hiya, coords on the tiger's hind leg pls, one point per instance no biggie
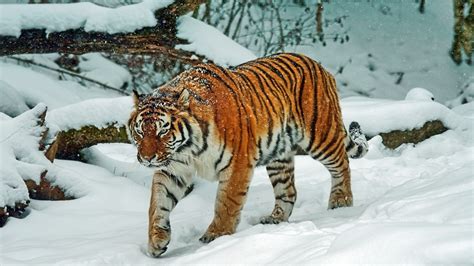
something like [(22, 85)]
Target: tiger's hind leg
[(335, 159), (341, 193), (281, 173)]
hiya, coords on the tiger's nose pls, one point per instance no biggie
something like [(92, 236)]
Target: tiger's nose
[(147, 158)]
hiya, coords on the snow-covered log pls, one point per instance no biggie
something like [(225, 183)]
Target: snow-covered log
[(71, 142), (24, 141), (95, 121), (395, 138), (88, 123), (148, 27)]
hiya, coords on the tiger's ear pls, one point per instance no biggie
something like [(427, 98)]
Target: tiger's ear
[(183, 100), (136, 97)]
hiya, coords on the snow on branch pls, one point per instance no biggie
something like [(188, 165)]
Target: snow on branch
[(89, 16), (145, 28), (209, 42)]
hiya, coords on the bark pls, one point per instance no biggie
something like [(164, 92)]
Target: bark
[(159, 39), (396, 138), (71, 142), (463, 31)]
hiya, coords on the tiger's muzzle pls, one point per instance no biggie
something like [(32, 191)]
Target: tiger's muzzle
[(153, 161)]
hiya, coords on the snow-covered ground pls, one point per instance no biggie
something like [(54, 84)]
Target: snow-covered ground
[(412, 205)]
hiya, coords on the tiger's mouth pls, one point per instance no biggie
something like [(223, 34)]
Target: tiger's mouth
[(155, 163)]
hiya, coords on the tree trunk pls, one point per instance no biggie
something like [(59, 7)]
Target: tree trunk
[(159, 39), (319, 18), (463, 31), (421, 8)]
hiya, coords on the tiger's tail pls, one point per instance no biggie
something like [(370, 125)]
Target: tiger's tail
[(356, 143)]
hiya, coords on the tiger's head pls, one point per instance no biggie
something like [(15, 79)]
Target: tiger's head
[(160, 127)]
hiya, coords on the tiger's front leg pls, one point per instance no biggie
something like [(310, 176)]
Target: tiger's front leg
[(231, 196), (167, 190)]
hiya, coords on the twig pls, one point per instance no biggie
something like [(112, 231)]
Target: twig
[(66, 72)]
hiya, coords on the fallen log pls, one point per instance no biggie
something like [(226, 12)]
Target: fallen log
[(159, 39), (396, 138), (71, 142)]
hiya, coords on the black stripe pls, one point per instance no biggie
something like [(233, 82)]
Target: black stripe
[(179, 181), (205, 130), (322, 149), (283, 180), (164, 209), (171, 196), (293, 67)]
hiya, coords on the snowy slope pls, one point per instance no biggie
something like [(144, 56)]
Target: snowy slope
[(412, 205)]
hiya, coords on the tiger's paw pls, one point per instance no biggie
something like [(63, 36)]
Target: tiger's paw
[(210, 236), (278, 216), (340, 200), (155, 252), (271, 220), (158, 243)]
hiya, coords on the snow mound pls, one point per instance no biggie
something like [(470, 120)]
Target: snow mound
[(95, 112), (19, 154), (120, 159), (128, 18), (210, 42), (378, 116), (419, 94), (22, 160), (12, 103)]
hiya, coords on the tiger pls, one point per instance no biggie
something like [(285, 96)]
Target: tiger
[(221, 123)]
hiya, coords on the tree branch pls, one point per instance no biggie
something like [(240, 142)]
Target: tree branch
[(66, 72), (150, 40)]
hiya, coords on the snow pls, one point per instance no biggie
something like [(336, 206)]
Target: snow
[(412, 205), (208, 41), (388, 38), (19, 156), (96, 67), (100, 112), (91, 17), (21, 159), (378, 115), (12, 102), (119, 159), (419, 94), (39, 86)]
